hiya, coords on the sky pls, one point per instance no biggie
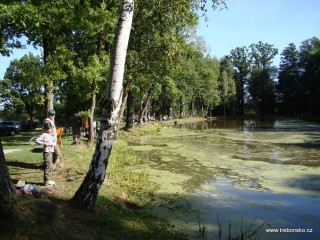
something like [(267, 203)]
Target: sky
[(276, 22)]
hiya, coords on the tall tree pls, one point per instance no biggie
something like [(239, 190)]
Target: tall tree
[(261, 83), (90, 40), (289, 86), (241, 61), (227, 86), (154, 43), (208, 96), (262, 91), (262, 54), (22, 88), (86, 195), (43, 23), (10, 30), (310, 84)]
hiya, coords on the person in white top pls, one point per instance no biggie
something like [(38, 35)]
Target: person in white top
[(48, 142), (53, 131)]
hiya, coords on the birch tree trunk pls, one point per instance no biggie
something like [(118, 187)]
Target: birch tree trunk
[(86, 195), (8, 197)]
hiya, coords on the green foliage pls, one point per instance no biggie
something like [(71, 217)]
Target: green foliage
[(241, 61), (310, 75), (227, 85), (209, 83), (288, 86), (298, 86), (255, 77), (262, 54), (261, 85), (262, 91), (76, 36), (22, 88), (9, 29), (166, 62)]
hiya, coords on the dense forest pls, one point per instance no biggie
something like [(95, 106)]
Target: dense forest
[(168, 71)]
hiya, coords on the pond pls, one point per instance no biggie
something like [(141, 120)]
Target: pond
[(231, 176)]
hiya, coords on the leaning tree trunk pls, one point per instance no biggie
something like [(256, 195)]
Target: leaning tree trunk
[(145, 107), (8, 197), (86, 195)]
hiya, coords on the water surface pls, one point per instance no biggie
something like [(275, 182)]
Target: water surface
[(240, 173)]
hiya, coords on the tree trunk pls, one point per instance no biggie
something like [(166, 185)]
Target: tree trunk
[(193, 106), (143, 114), (123, 105), (86, 195), (93, 96), (8, 197), (46, 59), (242, 96), (91, 127), (125, 97), (181, 110), (130, 111)]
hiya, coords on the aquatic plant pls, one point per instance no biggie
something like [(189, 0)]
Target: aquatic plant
[(248, 233), (202, 228)]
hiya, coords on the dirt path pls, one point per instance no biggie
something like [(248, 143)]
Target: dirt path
[(6, 151)]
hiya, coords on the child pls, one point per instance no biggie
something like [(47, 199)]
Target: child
[(51, 119), (48, 142)]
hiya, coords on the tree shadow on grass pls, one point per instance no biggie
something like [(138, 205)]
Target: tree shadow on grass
[(37, 150), (15, 181), (109, 221), (25, 174), (24, 165)]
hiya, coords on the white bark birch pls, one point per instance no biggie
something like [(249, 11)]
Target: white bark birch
[(86, 195)]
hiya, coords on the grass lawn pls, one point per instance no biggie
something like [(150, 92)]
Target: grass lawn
[(119, 212)]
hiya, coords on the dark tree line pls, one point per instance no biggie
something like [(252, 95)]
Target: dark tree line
[(298, 87), (263, 89)]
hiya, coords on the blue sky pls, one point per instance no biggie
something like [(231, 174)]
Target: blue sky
[(276, 22), (17, 54)]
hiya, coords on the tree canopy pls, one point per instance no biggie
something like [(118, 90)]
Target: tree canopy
[(167, 71)]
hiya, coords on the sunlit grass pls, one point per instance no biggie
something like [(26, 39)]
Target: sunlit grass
[(124, 192)]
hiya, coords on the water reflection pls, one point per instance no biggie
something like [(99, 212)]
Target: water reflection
[(261, 124), (241, 124)]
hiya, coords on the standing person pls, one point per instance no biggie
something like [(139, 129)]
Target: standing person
[(47, 140), (50, 119), (94, 125)]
